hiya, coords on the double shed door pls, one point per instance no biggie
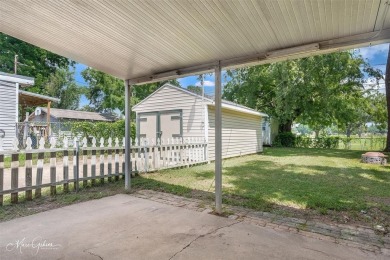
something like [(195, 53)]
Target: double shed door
[(162, 124)]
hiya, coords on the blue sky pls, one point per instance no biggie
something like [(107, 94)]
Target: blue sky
[(375, 55)]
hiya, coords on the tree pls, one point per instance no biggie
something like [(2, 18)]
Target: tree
[(195, 89), (316, 91), (62, 85), (33, 61), (106, 93)]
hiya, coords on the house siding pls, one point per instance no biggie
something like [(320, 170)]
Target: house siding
[(241, 133), (169, 98), (8, 112)]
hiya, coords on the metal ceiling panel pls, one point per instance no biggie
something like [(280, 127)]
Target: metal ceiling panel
[(132, 39)]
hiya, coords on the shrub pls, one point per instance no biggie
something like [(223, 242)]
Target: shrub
[(285, 139), (290, 140), (304, 142), (101, 129)]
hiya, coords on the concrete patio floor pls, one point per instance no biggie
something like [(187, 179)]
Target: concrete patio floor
[(126, 227)]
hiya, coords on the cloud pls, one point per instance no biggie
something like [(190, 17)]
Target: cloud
[(206, 83), (372, 51)]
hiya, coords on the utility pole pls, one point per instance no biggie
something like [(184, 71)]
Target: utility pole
[(16, 64)]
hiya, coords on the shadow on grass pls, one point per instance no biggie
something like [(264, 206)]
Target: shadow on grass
[(139, 183), (339, 153)]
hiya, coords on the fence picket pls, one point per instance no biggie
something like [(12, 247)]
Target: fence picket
[(101, 160), (85, 167), (109, 164), (93, 166), (101, 167)]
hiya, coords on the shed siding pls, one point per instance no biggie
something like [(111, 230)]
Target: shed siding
[(8, 112), (169, 98), (241, 133)]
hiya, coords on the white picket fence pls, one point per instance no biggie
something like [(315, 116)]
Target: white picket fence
[(65, 161)]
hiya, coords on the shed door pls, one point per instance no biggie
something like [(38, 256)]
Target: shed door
[(171, 124), (148, 125), (164, 124)]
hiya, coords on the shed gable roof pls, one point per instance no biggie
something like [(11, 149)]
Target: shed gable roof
[(225, 104)]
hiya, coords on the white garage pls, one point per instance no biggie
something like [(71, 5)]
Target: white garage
[(174, 112)]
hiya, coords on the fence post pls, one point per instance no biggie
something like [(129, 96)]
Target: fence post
[(53, 174), (28, 165), (1, 177), (14, 176), (41, 156)]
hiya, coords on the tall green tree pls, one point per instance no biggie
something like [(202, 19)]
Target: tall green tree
[(62, 85), (33, 61), (316, 91), (106, 93)]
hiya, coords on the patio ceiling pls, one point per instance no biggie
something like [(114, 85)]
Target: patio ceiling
[(147, 41)]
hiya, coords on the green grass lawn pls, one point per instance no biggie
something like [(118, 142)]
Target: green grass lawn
[(293, 178)]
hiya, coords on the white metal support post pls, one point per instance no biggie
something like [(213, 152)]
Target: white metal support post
[(218, 140), (128, 166)]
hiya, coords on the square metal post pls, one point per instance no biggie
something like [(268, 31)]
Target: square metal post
[(218, 140), (128, 166)]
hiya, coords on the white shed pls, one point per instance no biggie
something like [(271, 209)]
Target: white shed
[(176, 112)]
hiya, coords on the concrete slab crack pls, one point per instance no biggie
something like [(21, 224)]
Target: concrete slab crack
[(319, 251), (86, 251), (203, 235)]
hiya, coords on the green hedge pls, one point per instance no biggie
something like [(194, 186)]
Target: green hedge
[(101, 129), (291, 140)]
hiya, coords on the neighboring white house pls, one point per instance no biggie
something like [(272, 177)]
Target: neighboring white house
[(9, 100), (58, 119), (176, 112)]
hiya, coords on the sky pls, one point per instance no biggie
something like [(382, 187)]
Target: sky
[(375, 55)]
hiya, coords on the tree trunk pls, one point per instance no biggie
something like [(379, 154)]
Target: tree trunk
[(349, 131), (286, 127), (317, 133), (387, 86)]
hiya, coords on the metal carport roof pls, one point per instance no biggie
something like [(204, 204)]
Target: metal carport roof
[(145, 41), (152, 40)]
